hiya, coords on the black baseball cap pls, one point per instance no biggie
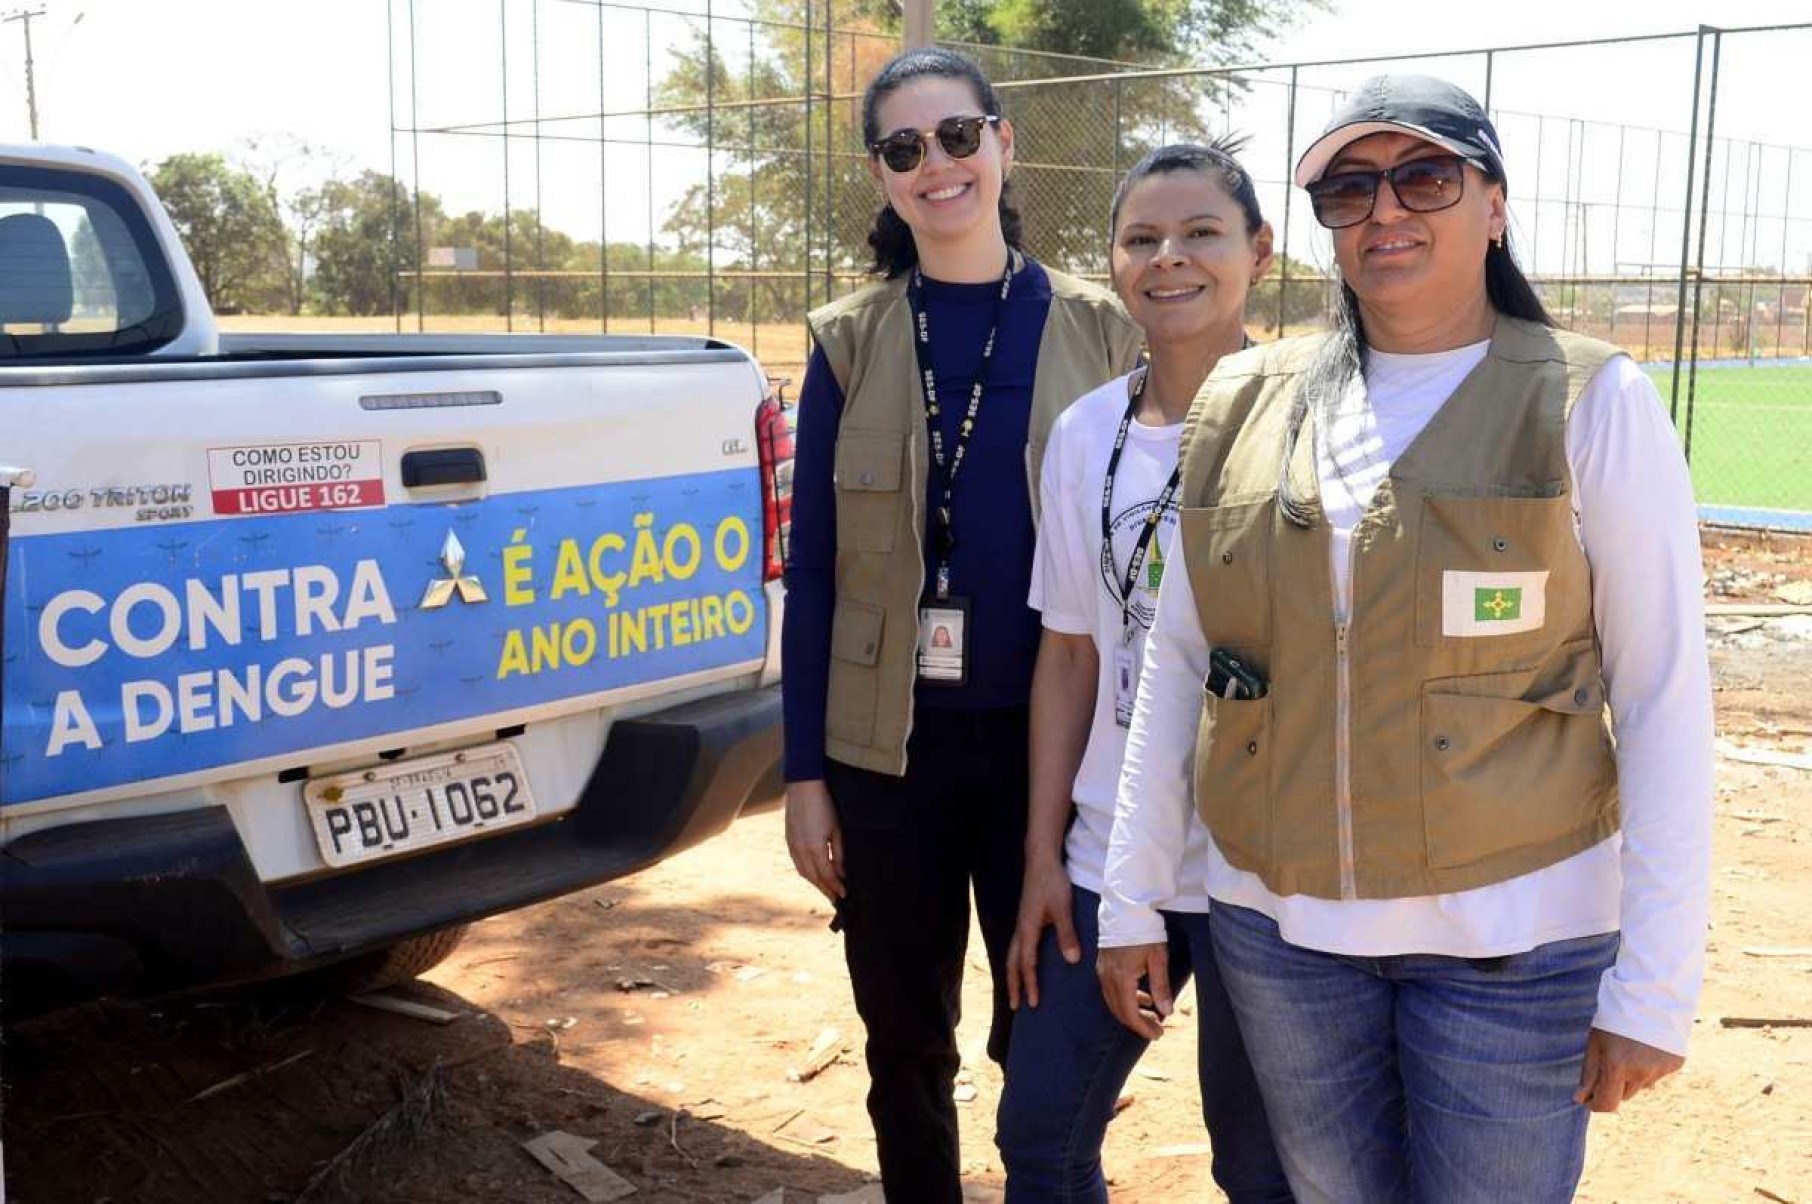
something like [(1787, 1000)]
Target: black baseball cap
[(1420, 105)]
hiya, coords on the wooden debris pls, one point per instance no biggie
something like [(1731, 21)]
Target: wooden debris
[(803, 1130), (1126, 1100), (1197, 1149), (1778, 951), (1765, 1021), (404, 1007), (1768, 610), (1763, 756), (1765, 1194), (248, 1076), (673, 1138), (570, 1158), (406, 1123), (1152, 1073), (826, 1048)]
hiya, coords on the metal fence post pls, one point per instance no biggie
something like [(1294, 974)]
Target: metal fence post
[(710, 175), (1283, 265), (509, 249), (807, 175), (535, 84), (415, 150), (603, 189), (1711, 125), (1692, 148), (396, 307)]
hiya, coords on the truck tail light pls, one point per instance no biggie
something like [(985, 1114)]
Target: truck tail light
[(774, 446)]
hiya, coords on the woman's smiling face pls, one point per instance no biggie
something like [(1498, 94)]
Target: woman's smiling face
[(1183, 259), (1416, 264), (942, 199)]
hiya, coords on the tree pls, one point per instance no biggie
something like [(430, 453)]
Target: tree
[(1072, 137), (278, 161), (365, 238), (230, 228)]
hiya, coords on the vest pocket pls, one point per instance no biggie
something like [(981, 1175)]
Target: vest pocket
[(1487, 571), (854, 689), (869, 470), (1233, 776), (1228, 553), (1501, 773)]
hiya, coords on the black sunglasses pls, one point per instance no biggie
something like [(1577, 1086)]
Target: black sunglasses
[(904, 150), (1422, 186)]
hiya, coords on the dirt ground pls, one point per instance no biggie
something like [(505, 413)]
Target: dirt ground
[(659, 1017)]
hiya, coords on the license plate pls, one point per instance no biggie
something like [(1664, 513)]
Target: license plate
[(400, 808)]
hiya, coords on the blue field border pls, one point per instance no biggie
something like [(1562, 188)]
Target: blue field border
[(1760, 363), (1757, 517)]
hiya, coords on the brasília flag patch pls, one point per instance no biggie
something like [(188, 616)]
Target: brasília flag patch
[(1488, 604)]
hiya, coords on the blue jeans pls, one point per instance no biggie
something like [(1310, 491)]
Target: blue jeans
[(1069, 1058), (1443, 1080)]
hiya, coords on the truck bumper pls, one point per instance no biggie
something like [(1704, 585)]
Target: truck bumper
[(166, 902)]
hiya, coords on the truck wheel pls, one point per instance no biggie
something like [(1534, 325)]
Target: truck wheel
[(408, 958), (374, 970)]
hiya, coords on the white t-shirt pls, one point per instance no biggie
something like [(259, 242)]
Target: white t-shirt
[(1639, 529), (1076, 582)]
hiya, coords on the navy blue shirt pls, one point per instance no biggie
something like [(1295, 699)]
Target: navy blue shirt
[(992, 563)]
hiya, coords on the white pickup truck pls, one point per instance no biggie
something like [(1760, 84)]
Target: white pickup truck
[(316, 648)]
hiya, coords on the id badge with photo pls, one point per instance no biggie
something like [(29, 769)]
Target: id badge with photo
[(1126, 679), (1126, 684), (943, 653)]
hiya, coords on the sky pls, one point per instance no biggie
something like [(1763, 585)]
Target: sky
[(145, 80)]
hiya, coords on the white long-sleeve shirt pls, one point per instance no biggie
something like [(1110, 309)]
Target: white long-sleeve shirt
[(1638, 526)]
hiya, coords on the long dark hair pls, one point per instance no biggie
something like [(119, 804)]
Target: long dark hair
[(1341, 359), (1214, 159), (890, 237)]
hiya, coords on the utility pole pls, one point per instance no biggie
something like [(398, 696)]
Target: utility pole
[(24, 17), (917, 26)]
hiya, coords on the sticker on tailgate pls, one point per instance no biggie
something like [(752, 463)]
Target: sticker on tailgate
[(137, 654), (276, 478)]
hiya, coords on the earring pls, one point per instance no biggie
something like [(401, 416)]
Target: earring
[(1498, 242)]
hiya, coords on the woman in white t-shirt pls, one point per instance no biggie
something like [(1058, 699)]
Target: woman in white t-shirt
[(1188, 242), (1452, 915)]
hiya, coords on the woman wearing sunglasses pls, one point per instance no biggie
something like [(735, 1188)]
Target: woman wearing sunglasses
[(922, 420), (1187, 240), (1421, 562)]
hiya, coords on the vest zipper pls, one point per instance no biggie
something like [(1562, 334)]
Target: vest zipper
[(1343, 759)]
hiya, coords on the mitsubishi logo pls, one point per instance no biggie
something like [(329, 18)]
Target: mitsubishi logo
[(441, 589)]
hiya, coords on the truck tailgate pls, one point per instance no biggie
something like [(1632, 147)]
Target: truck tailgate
[(233, 575)]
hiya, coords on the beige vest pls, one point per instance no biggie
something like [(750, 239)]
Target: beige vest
[(882, 460), (1474, 746)]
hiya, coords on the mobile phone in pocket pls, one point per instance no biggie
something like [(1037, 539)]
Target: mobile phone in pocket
[(1232, 678)]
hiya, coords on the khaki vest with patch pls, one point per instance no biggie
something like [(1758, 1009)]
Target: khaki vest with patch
[(882, 462), (1475, 739)]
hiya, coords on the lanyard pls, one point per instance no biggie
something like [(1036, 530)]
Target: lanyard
[(1167, 498), (947, 468)]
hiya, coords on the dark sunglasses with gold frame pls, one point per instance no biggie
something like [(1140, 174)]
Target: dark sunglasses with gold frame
[(903, 150)]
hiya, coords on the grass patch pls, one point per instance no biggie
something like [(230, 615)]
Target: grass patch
[(1751, 433)]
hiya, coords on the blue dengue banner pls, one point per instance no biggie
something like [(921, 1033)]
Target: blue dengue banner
[(137, 653)]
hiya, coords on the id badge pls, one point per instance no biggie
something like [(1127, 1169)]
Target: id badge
[(1126, 682), (944, 641)]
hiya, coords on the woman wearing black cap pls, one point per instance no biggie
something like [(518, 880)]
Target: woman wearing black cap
[(1427, 557)]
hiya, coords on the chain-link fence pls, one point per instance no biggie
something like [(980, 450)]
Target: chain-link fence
[(688, 170)]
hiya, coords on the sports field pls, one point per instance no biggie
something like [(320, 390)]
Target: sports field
[(1751, 439)]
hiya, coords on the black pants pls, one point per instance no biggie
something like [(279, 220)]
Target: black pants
[(913, 846)]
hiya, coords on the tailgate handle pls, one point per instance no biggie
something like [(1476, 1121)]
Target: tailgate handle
[(442, 466)]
